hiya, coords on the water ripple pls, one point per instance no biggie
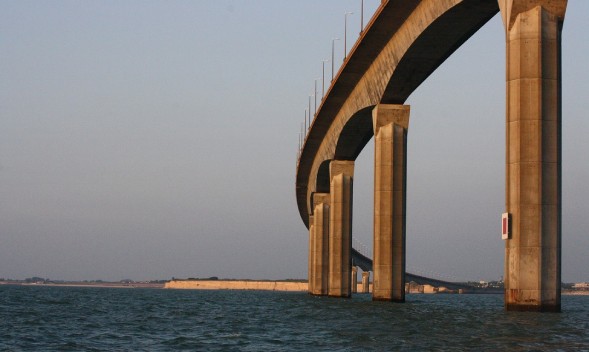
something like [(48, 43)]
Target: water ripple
[(93, 319)]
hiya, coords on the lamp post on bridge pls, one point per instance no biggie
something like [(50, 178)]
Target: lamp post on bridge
[(346, 33), (315, 94), (310, 111), (332, 50), (361, 16), (301, 136), (323, 79)]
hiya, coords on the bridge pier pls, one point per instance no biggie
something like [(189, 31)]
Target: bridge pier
[(320, 245), (311, 272), (390, 178), (533, 165), (366, 282), (341, 175), (354, 279)]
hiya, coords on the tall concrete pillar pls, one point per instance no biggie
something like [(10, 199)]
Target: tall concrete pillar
[(354, 279), (366, 281), (390, 178), (320, 246), (311, 272), (533, 165), (340, 228)]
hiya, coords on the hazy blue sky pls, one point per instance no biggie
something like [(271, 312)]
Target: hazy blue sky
[(152, 139)]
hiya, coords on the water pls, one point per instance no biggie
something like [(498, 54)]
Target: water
[(107, 319)]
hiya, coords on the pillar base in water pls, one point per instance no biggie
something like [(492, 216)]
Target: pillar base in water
[(532, 308), (395, 300)]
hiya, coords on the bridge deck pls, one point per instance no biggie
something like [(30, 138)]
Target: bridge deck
[(429, 50), (365, 264)]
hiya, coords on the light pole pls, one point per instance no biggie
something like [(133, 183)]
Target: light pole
[(309, 110), (361, 16), (301, 138), (332, 49), (315, 94), (346, 33), (323, 79)]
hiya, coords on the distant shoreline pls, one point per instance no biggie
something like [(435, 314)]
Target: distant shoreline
[(83, 284), (260, 285), (574, 293), (278, 286), (237, 285)]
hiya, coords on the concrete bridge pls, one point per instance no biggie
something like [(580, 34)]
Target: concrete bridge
[(361, 261), (404, 42)]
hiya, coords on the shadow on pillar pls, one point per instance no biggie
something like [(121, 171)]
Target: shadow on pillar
[(320, 245)]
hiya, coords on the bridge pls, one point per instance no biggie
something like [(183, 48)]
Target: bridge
[(365, 263), (404, 42)]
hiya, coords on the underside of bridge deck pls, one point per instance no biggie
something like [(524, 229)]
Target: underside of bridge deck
[(402, 45)]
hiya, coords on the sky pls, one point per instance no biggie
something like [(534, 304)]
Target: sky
[(158, 139)]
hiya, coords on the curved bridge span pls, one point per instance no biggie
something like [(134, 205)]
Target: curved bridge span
[(365, 263), (402, 45), (404, 42)]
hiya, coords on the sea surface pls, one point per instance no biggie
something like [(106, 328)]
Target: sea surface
[(110, 319)]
